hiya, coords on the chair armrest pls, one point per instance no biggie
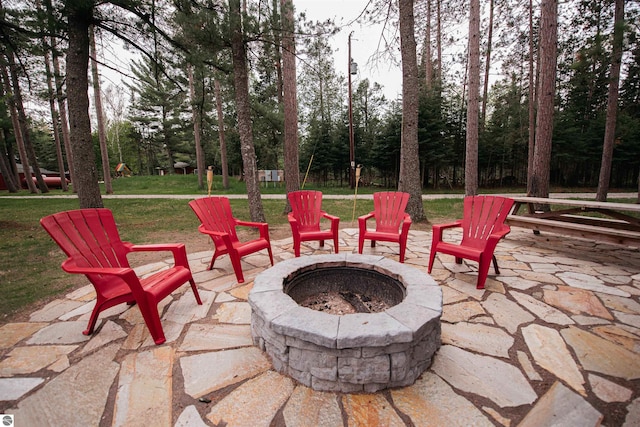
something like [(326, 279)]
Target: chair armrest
[(71, 267), (224, 236), (178, 250), (406, 224), (335, 221), (362, 221), (263, 227), (437, 229)]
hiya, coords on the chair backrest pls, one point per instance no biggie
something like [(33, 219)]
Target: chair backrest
[(88, 236), (482, 216), (215, 215), (306, 207), (389, 210)]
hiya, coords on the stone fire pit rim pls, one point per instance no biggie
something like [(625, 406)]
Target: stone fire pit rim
[(401, 323)]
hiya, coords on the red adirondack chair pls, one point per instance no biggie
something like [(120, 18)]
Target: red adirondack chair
[(392, 222), (482, 227), (304, 219), (217, 221), (92, 243)]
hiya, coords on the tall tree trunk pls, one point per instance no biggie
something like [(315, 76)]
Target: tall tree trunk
[(532, 97), (17, 131), (52, 107), (471, 152), (5, 167), (487, 67), (24, 124), (197, 134), (241, 83), (426, 57), (612, 104), (80, 16), (291, 159), (224, 165), (62, 108), (55, 121), (97, 97), (409, 155), (439, 47), (538, 186)]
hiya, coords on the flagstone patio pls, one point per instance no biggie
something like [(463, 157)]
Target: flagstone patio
[(553, 340)]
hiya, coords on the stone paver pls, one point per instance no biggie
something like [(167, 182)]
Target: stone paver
[(553, 340), (264, 395)]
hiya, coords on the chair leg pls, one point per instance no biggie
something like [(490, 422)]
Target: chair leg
[(195, 291), (322, 243), (237, 267), (270, 254), (495, 264), (373, 243), (92, 320), (335, 244), (483, 271), (152, 320), (403, 249), (432, 257), (360, 243)]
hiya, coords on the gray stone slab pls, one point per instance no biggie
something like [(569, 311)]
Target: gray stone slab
[(233, 312), (600, 355), (506, 313), (186, 309), (307, 407), (60, 333), (190, 417), (633, 414), (15, 388), (551, 353), (145, 389), (206, 372), (589, 282), (432, 402), (477, 337), (58, 402), (308, 325), (544, 311), (371, 329), (265, 395), (561, 407), (29, 359), (54, 309), (486, 376), (216, 337)]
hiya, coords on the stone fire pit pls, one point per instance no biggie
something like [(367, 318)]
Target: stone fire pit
[(360, 352)]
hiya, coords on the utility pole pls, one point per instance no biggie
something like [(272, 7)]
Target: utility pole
[(352, 154)]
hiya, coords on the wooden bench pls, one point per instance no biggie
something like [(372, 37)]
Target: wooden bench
[(570, 217)]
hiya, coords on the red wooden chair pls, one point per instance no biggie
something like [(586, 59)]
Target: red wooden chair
[(392, 222), (217, 221), (304, 219), (482, 227), (92, 243)]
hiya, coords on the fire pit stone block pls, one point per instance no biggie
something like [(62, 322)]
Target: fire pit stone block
[(362, 352)]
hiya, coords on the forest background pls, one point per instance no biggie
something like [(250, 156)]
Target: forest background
[(182, 89)]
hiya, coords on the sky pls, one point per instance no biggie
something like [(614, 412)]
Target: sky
[(364, 42)]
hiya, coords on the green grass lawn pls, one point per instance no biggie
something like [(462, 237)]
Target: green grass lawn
[(30, 261)]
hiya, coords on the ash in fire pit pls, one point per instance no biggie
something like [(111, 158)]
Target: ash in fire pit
[(344, 303), (359, 352), (344, 290)]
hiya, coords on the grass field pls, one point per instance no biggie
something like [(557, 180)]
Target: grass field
[(30, 272)]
